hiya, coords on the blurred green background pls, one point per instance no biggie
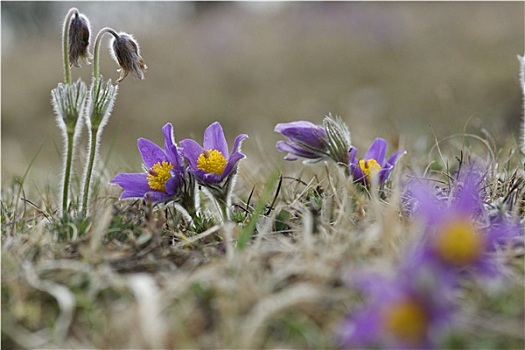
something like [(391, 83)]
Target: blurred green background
[(399, 70)]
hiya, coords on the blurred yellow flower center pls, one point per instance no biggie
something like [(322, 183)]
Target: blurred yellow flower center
[(406, 320), (459, 242), (158, 175), (211, 161), (369, 168)]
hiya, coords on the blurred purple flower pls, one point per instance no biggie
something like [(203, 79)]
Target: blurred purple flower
[(305, 140), (405, 311), (373, 164), (459, 236), (164, 171), (211, 163)]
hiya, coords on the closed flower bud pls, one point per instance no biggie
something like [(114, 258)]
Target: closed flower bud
[(68, 101), (103, 97), (79, 33), (338, 136), (126, 52)]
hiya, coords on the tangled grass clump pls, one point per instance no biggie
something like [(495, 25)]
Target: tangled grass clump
[(291, 285)]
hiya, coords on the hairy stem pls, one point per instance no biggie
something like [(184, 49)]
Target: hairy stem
[(67, 170), (94, 130), (522, 82), (68, 134), (96, 53), (93, 149)]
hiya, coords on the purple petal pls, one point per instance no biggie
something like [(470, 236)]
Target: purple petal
[(385, 173), (280, 127), (131, 194), (357, 174), (468, 197), (377, 151), (352, 159), (157, 196), (205, 178), (133, 184), (211, 178), (237, 142), (504, 232), (284, 146), (360, 329), (295, 150), (171, 148), (394, 157), (295, 127), (235, 156), (191, 151), (172, 185), (214, 139), (303, 132), (151, 153), (427, 205), (232, 162), (355, 169), (167, 130), (199, 174)]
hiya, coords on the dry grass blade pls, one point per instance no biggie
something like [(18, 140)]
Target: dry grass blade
[(270, 306), (63, 295)]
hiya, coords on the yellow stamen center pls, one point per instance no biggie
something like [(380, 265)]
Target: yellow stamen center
[(369, 168), (459, 242), (158, 175), (406, 320), (211, 161)]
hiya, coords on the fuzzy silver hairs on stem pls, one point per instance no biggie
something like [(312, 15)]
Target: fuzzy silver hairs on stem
[(522, 82), (125, 51), (69, 99)]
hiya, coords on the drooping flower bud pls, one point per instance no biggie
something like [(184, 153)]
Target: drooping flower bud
[(126, 52), (79, 33)]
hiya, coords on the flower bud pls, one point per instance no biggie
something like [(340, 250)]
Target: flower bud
[(338, 135), (68, 101), (126, 52), (79, 32), (103, 95)]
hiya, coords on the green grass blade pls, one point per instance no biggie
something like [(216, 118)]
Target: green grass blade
[(249, 229)]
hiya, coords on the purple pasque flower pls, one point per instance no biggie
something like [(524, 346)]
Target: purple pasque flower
[(164, 171), (411, 309), (374, 163), (305, 140), (211, 163), (315, 142), (458, 234)]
